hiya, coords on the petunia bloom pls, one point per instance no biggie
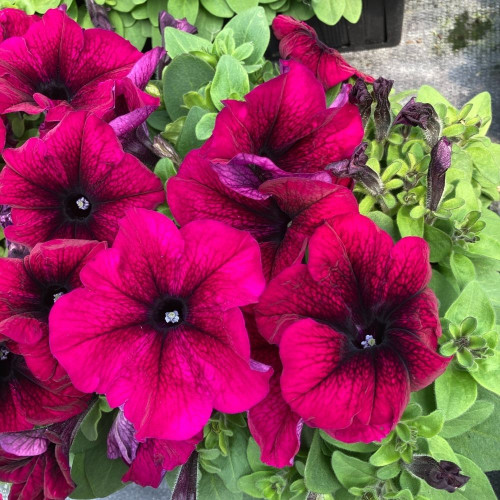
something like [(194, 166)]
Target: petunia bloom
[(76, 182), (57, 65), (253, 194), (158, 326), (299, 41), (37, 462), (30, 287), (272, 423), (357, 329), (296, 134), (15, 22), (150, 460)]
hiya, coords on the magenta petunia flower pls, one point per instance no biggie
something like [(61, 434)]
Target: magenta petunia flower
[(37, 462), (29, 288), (280, 213), (299, 42), (150, 460), (297, 134), (272, 423), (15, 22), (57, 65), (76, 182), (158, 326), (357, 329)]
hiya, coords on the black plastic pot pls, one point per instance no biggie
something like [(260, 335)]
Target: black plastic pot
[(380, 25)]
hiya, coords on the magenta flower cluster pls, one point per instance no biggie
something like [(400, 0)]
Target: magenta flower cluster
[(224, 313)]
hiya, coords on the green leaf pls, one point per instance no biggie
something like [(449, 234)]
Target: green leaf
[(488, 373), (184, 74), (384, 222), (248, 484), (230, 81), (251, 26), (92, 471), (487, 246), (475, 415), (481, 106), (351, 471), (211, 487), (410, 482), (328, 11), (477, 488), (182, 8), (456, 392), (472, 302), (218, 8), (179, 42), (235, 464), (318, 472), (165, 169), (205, 126), (352, 10), (428, 94), (187, 138), (441, 450), (445, 291), (482, 442), (385, 455), (430, 425), (354, 447), (389, 471), (462, 268), (408, 226), (439, 243), (240, 5), (91, 420), (253, 456), (208, 25)]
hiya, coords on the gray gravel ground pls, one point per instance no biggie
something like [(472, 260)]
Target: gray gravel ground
[(426, 55)]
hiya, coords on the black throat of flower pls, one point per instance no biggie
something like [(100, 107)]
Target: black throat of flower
[(77, 206), (7, 362), (55, 90), (167, 313), (49, 295)]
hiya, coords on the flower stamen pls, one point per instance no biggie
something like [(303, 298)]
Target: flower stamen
[(82, 203), (172, 317), (368, 342)]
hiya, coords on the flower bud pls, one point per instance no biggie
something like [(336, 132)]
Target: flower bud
[(382, 114), (164, 149), (423, 115), (357, 169), (360, 97), (440, 162), (98, 15), (442, 476)]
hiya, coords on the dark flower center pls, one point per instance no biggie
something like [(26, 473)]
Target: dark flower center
[(55, 90), (369, 336), (167, 313), (6, 363), (49, 296), (77, 207)]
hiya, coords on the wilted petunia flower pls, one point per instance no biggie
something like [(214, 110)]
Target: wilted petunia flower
[(76, 182), (253, 194), (420, 114), (436, 175), (36, 462), (14, 250), (382, 114), (360, 96), (98, 15), (158, 326), (286, 120), (58, 66), (29, 288), (300, 42), (442, 475), (357, 329), (15, 22), (272, 423), (150, 460)]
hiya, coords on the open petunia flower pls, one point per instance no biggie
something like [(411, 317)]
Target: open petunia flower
[(56, 65), (158, 326), (299, 42), (272, 423), (280, 212), (37, 462), (15, 22), (29, 288), (357, 329), (296, 134), (76, 182), (150, 460)]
